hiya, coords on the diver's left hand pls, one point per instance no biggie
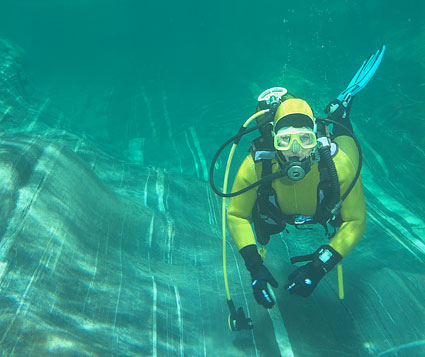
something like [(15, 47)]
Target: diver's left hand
[(336, 110), (305, 279)]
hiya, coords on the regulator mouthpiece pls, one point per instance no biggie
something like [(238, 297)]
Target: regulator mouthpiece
[(296, 169), (296, 172)]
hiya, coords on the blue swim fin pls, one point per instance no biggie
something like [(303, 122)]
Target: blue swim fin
[(339, 108), (363, 76)]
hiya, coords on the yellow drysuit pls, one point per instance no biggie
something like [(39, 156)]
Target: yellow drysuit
[(299, 197)]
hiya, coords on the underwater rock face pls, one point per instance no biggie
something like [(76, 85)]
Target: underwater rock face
[(100, 256), (84, 270), (62, 250)]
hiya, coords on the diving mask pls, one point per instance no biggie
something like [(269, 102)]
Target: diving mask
[(290, 137)]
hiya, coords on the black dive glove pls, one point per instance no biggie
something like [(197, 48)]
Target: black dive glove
[(260, 276), (305, 279), (337, 110)]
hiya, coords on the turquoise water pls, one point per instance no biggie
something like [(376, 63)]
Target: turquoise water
[(142, 92), (189, 58)]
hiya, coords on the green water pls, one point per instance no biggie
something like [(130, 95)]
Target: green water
[(207, 62), (164, 84)]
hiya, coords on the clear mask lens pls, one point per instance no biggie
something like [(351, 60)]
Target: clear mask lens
[(294, 138)]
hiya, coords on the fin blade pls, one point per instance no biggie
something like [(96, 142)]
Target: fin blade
[(364, 74)]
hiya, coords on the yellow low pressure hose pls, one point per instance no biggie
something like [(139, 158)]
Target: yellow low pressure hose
[(340, 282), (223, 208)]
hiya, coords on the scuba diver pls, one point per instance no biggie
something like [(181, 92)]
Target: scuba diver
[(301, 170), (299, 197)]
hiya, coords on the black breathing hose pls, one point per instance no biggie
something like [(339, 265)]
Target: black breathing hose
[(359, 148), (327, 156), (236, 139)]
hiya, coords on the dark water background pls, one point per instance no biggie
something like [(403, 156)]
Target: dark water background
[(192, 48), (205, 63), (165, 83)]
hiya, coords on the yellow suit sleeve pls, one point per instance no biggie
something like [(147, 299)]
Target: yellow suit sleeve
[(240, 207), (353, 209)]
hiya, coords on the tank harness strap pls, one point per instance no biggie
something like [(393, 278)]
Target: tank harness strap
[(324, 192), (266, 169), (267, 217), (266, 196)]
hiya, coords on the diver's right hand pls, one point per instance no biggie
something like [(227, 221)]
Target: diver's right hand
[(260, 277), (336, 110)]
